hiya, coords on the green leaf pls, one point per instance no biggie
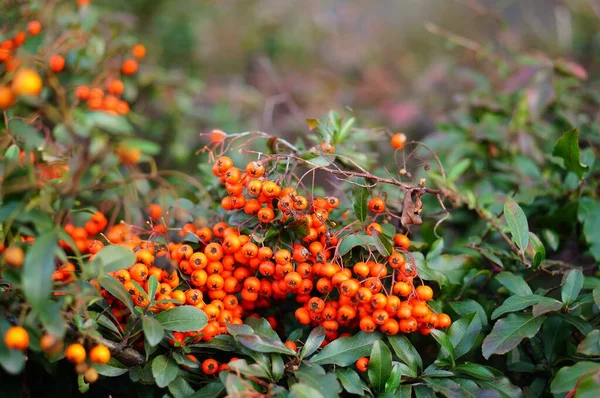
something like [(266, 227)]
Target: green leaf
[(313, 342), (38, 269), (502, 385), (538, 249), (567, 148), (588, 386), (448, 388), (393, 382), (465, 307), (360, 197), (113, 368), (110, 123), (463, 333), (153, 330), (263, 344), (517, 303), (114, 287), (475, 370), (152, 287), (508, 333), (590, 346), (446, 347), (458, 169), (179, 388), (551, 238), (567, 377), (581, 324), (277, 367), (346, 350), (164, 370), (350, 381), (211, 390), (301, 390), (27, 135), (254, 370), (554, 333), (380, 366), (517, 223), (573, 282), (262, 327), (406, 352), (515, 284), (184, 318), (114, 258), (315, 376)]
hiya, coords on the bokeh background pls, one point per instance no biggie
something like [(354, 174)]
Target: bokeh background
[(241, 65)]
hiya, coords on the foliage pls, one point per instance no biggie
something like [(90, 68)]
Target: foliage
[(501, 207)]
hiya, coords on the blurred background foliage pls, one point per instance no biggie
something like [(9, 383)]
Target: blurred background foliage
[(270, 64)]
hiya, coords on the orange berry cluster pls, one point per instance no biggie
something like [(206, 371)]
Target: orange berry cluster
[(332, 295), (98, 99)]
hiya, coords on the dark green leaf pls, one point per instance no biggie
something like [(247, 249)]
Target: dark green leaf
[(179, 388), (517, 303), (315, 376), (153, 330), (380, 365), (350, 381), (571, 287), (114, 287), (554, 333), (591, 344), (517, 223), (463, 334), (502, 385), (538, 249), (346, 350), (393, 382), (313, 342), (465, 307), (302, 390), (582, 325), (182, 319), (477, 371), (515, 284), (567, 148), (406, 352), (112, 369), (446, 347), (164, 370), (567, 377), (211, 390), (448, 388), (114, 258), (29, 137), (360, 197), (508, 333), (38, 269), (263, 344)]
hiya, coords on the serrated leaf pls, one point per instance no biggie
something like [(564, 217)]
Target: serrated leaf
[(567, 148), (517, 223), (508, 333)]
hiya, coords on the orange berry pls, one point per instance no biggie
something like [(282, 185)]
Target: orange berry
[(291, 345), (129, 67), (14, 256), (362, 364), (100, 354), (402, 241), (424, 293), (16, 338), (398, 140), (34, 28), (138, 51), (27, 82), (75, 353), (116, 87), (57, 63), (50, 344), (7, 97), (443, 321), (377, 205), (210, 366)]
